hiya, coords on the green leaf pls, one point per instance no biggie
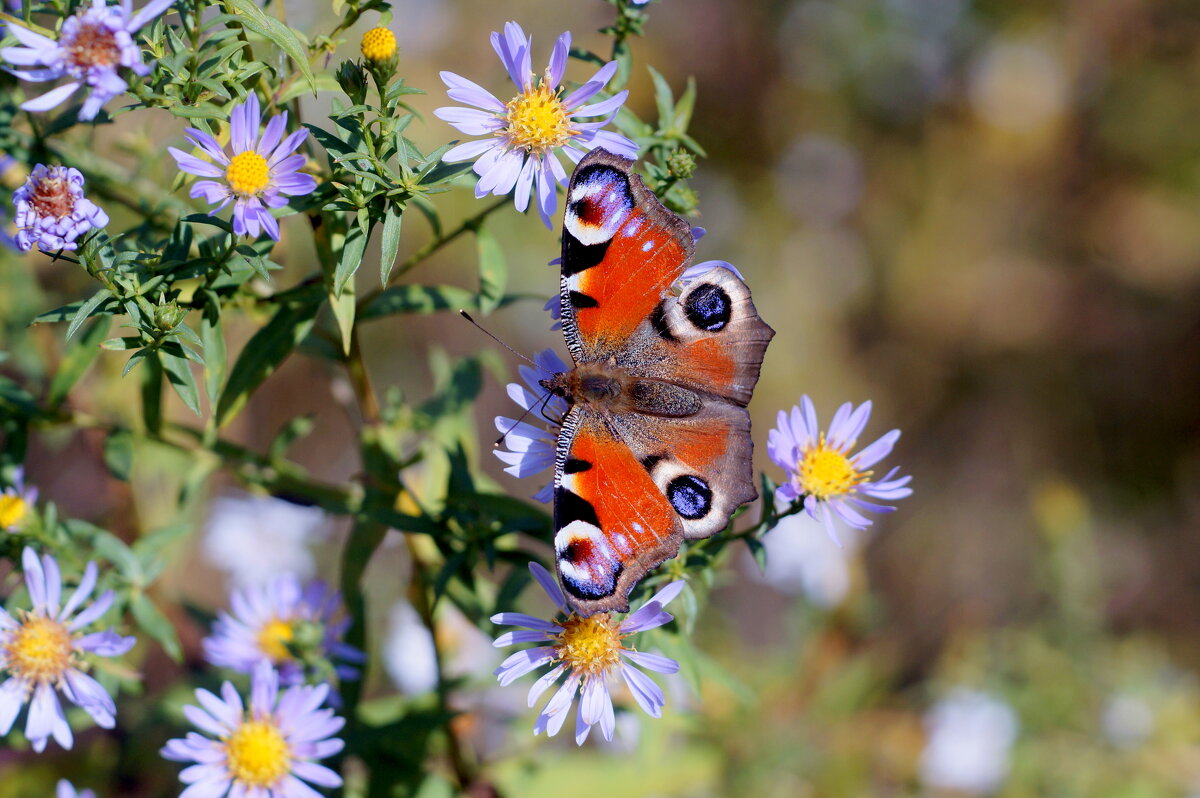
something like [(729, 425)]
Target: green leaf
[(118, 453), (86, 309), (264, 352), (76, 361), (152, 621), (151, 391), (351, 257), (493, 270), (324, 82), (135, 359), (213, 342), (664, 99), (180, 375), (685, 106), (390, 241), (253, 18), (344, 308)]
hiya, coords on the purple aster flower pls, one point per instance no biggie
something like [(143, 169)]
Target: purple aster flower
[(16, 502), (273, 620), (66, 789), (821, 469), (531, 445), (91, 47), (523, 135), (52, 212), (590, 652), (42, 650), (268, 750), (257, 176)]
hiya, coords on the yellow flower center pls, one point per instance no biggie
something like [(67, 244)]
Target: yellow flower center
[(826, 472), (247, 173), (274, 637), (537, 120), (378, 44), (13, 510), (589, 645), (39, 650), (257, 755)]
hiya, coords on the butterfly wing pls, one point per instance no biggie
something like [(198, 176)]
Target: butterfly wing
[(631, 488), (621, 251), (674, 462)]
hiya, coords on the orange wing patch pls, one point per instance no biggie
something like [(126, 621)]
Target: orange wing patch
[(622, 250), (613, 522)]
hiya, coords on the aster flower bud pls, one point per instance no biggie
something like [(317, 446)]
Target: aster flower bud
[(51, 211), (681, 164), (168, 315), (353, 80)]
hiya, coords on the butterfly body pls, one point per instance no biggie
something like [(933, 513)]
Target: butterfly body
[(655, 447)]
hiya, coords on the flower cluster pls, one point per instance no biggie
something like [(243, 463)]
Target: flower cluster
[(589, 652), (44, 649), (523, 134), (52, 212), (270, 748), (91, 47), (261, 172), (16, 502), (275, 622), (821, 470)]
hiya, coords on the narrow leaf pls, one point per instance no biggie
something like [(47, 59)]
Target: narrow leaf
[(493, 270), (253, 18), (180, 375), (86, 309), (390, 241), (76, 361)]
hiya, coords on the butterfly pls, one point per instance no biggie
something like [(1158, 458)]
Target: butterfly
[(655, 447)]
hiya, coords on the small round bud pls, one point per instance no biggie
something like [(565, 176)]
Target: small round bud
[(167, 316), (681, 164), (378, 44)]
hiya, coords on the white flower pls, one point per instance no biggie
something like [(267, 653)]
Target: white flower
[(257, 538), (590, 653), (970, 735), (408, 654), (531, 443)]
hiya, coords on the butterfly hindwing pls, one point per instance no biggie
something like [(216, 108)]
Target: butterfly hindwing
[(709, 338)]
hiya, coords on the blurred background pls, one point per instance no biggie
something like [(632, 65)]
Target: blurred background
[(982, 216)]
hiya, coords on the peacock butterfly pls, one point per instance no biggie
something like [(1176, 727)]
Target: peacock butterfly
[(655, 448)]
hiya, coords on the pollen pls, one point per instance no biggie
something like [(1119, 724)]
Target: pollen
[(13, 510), (274, 637), (590, 646), (51, 196), (39, 650), (257, 755), (247, 173), (537, 120), (93, 45), (825, 472), (378, 44)]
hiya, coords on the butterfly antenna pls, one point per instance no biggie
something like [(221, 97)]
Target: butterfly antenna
[(541, 411), (488, 333)]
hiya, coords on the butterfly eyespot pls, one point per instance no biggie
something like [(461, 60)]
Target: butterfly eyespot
[(690, 496), (708, 307)]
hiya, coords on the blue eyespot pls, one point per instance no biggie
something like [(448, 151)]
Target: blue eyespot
[(690, 496), (708, 307)]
